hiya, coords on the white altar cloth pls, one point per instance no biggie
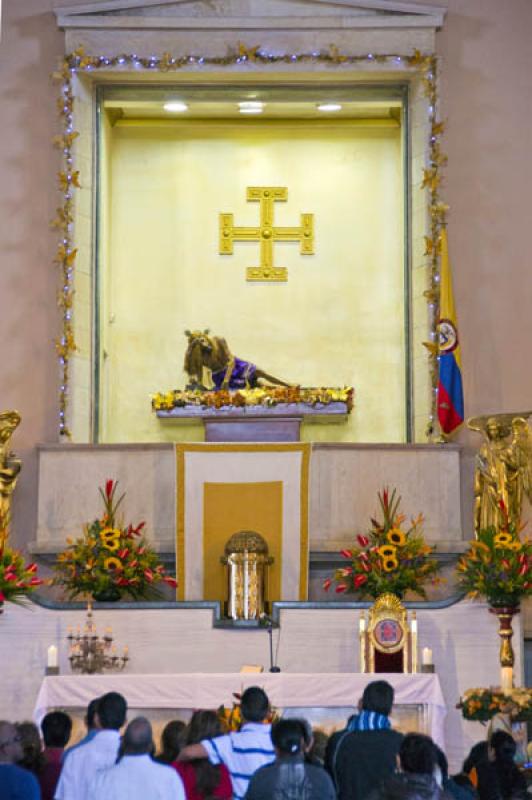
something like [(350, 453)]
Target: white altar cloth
[(210, 690)]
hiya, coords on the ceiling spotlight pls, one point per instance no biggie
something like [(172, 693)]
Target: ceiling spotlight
[(175, 106), (329, 107), (251, 107)]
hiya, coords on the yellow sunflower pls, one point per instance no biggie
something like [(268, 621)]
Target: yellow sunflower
[(387, 551), (503, 539), (515, 545), (396, 536), (389, 564), (112, 563), (110, 533), (111, 544)]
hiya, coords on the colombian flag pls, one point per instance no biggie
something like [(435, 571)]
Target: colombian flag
[(450, 392)]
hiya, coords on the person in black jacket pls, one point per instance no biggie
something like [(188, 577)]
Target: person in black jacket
[(416, 780), (499, 777), (364, 754)]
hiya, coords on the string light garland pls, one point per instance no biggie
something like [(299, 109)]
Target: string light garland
[(68, 177)]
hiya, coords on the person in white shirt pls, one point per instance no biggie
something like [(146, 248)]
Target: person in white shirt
[(242, 752), (101, 751), (136, 776)]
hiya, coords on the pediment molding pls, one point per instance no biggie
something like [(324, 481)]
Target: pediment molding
[(272, 15)]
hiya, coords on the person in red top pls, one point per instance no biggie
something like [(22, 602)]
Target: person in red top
[(203, 780), (56, 729)]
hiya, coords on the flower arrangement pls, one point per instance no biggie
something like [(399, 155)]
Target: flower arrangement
[(231, 718), (17, 578), (260, 396), (110, 561), (387, 558), (497, 566), (483, 704)]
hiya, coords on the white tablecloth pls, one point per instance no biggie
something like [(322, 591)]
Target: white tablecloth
[(209, 690)]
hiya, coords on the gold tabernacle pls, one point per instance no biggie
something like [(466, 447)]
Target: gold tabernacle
[(247, 561)]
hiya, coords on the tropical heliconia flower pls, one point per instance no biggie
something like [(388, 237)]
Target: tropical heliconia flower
[(387, 558)]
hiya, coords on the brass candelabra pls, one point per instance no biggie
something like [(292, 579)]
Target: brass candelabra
[(90, 653)]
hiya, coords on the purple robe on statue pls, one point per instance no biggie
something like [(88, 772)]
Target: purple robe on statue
[(242, 376)]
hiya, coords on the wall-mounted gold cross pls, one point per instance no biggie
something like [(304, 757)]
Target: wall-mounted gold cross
[(267, 233)]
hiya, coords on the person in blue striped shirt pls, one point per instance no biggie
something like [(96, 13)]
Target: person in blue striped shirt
[(242, 752)]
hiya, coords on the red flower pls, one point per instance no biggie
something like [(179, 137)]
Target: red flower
[(362, 540), (138, 529), (20, 584), (327, 584), (363, 556), (360, 580), (2, 597), (141, 551), (109, 484), (170, 582), (346, 553), (122, 553), (30, 567), (342, 587), (36, 582), (366, 566), (148, 575), (122, 582), (505, 563), (10, 576), (524, 569), (133, 563)]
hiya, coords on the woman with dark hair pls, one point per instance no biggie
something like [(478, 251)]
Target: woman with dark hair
[(172, 740), (201, 779), (290, 777), (499, 777), (33, 757)]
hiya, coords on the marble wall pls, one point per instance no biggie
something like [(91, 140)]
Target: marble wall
[(344, 481)]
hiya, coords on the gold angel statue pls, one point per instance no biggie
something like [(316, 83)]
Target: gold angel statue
[(9, 469), (503, 468)]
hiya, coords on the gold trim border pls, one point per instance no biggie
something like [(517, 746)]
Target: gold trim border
[(301, 447)]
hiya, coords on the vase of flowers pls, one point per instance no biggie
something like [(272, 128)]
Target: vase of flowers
[(18, 579), (111, 561), (389, 558), (496, 568)]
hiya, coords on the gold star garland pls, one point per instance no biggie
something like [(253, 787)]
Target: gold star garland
[(69, 180)]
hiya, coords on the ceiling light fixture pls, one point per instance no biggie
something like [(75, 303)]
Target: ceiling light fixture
[(329, 107), (251, 107), (175, 106)]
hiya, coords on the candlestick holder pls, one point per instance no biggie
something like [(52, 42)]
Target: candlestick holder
[(90, 653)]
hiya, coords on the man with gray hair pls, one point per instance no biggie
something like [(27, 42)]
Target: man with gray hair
[(136, 776)]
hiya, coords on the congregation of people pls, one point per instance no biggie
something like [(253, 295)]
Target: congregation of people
[(367, 760)]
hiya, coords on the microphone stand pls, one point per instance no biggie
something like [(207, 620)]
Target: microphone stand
[(269, 628)]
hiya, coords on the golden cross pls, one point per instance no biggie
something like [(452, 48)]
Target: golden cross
[(267, 233)]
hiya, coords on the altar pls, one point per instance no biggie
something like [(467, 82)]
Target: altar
[(325, 699)]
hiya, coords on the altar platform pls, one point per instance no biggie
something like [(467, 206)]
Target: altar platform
[(324, 699)]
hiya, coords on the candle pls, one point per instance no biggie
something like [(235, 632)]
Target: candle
[(413, 626), (507, 678), (426, 656), (52, 656), (362, 624)]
